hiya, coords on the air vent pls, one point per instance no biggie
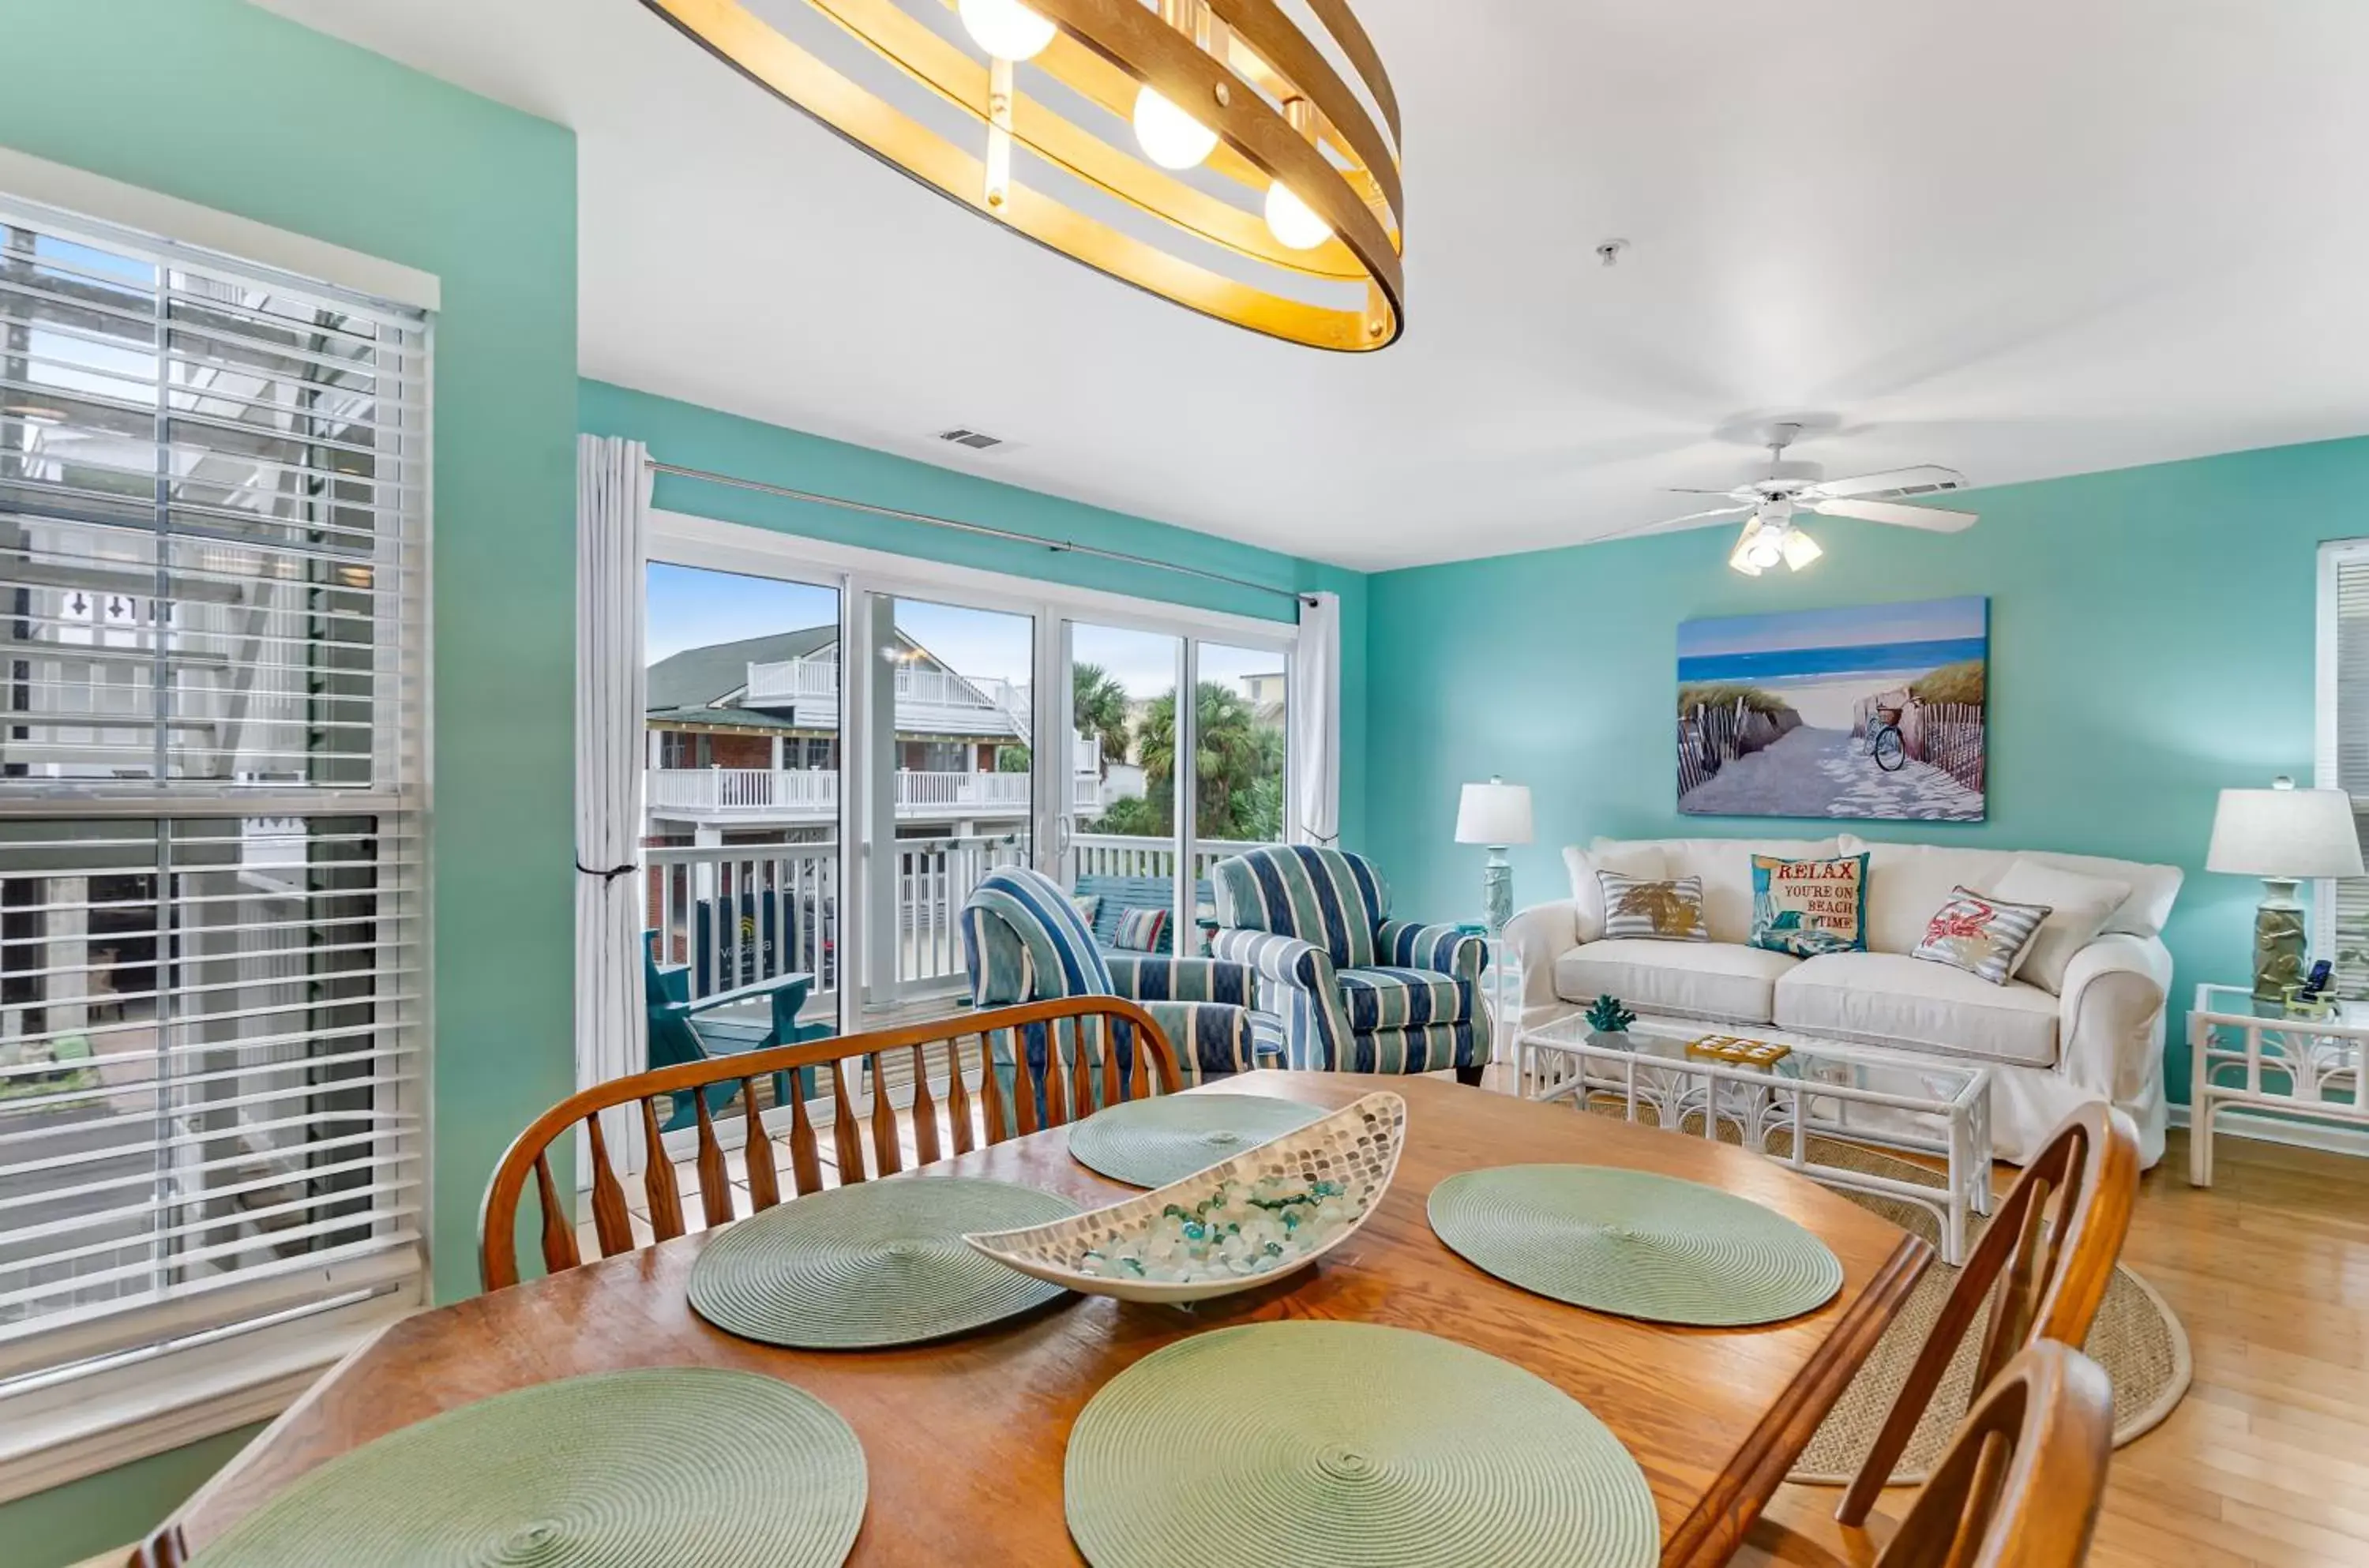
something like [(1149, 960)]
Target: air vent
[(977, 441), (1936, 487)]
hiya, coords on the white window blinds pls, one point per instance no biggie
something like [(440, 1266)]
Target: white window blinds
[(2344, 748), (213, 484)]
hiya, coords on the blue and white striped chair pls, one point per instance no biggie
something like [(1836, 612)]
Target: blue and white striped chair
[(1024, 941), (1358, 992)]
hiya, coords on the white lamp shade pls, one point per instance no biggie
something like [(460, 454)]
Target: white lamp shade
[(2285, 834), (1493, 814)]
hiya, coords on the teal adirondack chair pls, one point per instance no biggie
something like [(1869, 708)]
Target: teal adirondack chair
[(680, 1034)]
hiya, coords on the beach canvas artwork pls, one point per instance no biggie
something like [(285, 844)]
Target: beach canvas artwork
[(1878, 711)]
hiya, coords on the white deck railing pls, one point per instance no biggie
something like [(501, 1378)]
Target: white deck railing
[(1111, 854), (737, 913), (813, 793)]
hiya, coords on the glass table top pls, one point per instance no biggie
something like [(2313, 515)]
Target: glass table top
[(1808, 1056)]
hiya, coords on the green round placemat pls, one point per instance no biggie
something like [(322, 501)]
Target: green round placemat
[(1635, 1245), (1149, 1143), (1325, 1443), (622, 1469), (879, 1263)]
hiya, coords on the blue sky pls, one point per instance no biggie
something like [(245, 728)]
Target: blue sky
[(690, 607), (1930, 620)]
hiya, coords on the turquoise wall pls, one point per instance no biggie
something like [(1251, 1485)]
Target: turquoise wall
[(2152, 640), (700, 438), (396, 163)]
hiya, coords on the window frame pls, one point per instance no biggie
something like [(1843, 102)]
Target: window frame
[(113, 1397), (858, 573), (2327, 771)]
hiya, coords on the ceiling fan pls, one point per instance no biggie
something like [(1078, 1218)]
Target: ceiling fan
[(1772, 535)]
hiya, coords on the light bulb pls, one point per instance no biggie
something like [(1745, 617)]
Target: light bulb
[(1168, 136), (1006, 28), (1745, 557), (1289, 220), (1799, 549)]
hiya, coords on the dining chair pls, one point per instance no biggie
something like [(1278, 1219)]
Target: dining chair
[(913, 1080), (2020, 1482), (2044, 1266)]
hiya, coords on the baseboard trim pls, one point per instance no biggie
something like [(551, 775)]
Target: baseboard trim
[(2326, 1136)]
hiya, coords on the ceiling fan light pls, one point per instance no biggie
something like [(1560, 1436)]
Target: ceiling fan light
[(1799, 549), (1754, 552), (1006, 28)]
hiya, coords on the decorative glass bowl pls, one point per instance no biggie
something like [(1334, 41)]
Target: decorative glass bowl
[(1265, 1213)]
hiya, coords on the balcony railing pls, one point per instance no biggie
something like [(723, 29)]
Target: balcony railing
[(812, 794), (740, 913)]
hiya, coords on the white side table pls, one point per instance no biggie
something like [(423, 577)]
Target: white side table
[(2250, 1054), (1501, 993)]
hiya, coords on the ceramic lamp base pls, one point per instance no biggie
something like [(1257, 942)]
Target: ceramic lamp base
[(1497, 890), (2278, 941)]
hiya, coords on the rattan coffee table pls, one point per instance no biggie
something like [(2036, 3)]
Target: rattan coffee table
[(1861, 1094)]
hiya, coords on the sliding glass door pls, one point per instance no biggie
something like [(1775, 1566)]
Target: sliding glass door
[(1119, 822), (949, 730), (742, 796), (841, 745)]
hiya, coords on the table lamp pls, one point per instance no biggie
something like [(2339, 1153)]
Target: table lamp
[(1495, 814), (2282, 834)]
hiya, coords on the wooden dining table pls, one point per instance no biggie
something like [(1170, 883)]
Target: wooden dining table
[(964, 1437)]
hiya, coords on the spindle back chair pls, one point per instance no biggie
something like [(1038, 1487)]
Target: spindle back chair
[(2043, 1266), (953, 1081), (2021, 1480)]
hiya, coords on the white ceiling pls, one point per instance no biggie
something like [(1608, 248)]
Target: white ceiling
[(2023, 238)]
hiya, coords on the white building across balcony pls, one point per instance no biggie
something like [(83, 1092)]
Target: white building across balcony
[(746, 735)]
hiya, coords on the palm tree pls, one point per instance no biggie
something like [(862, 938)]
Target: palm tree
[(1238, 763), (1098, 707)]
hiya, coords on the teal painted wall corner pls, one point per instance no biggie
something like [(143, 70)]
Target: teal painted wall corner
[(114, 1508), (694, 436), (2151, 641)]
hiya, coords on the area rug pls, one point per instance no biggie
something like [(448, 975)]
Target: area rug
[(2135, 1337)]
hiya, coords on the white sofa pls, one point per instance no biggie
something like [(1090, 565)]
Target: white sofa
[(2099, 1035)]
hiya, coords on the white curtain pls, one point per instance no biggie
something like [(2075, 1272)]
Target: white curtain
[(612, 504), (1315, 710)]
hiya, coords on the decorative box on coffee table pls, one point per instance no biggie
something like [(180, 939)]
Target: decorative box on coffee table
[(1876, 1096)]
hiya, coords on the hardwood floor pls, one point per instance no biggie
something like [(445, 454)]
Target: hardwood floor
[(2267, 1460)]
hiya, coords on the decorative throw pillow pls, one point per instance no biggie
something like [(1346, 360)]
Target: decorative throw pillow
[(1670, 910), (1980, 934), (1139, 931), (2079, 908), (1808, 907), (1587, 893), (1090, 905)]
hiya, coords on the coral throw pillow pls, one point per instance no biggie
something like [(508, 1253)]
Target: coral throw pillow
[(1668, 910), (1980, 934), (1808, 907)]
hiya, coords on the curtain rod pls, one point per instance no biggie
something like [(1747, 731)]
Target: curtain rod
[(1060, 546)]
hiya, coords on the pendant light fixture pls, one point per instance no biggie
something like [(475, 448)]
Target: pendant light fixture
[(1292, 225)]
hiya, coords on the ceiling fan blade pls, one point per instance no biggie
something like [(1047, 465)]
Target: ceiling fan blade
[(1930, 518), (1672, 524), (1926, 476), (1744, 495)]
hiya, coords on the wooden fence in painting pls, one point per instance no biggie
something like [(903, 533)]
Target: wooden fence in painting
[(1949, 735), (1709, 739)]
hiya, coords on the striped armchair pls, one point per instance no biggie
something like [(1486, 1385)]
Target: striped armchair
[(1360, 993), (1024, 941)]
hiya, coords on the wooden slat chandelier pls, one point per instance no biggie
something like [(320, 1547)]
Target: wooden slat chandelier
[(1275, 192)]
